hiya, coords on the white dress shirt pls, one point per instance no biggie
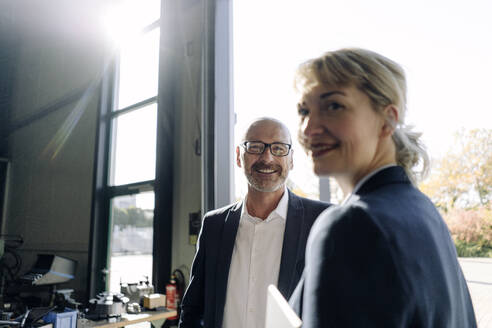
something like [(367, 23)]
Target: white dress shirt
[(255, 264)]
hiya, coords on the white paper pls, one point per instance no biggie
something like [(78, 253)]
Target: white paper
[(279, 314)]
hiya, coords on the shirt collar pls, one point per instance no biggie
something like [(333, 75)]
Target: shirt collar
[(280, 210), (364, 179), (283, 204)]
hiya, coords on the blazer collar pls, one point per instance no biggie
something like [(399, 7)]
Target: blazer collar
[(290, 252), (390, 175), (227, 239)]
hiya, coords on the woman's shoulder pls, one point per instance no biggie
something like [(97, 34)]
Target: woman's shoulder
[(350, 215), (346, 227)]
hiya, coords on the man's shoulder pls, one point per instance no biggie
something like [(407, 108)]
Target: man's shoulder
[(316, 203), (311, 203), (219, 212)]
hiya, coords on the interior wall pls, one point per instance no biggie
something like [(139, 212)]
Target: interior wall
[(8, 54), (51, 140), (52, 144), (187, 166)]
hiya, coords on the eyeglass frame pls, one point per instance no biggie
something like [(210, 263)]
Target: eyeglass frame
[(267, 145)]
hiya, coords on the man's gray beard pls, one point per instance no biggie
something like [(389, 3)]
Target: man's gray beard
[(254, 184)]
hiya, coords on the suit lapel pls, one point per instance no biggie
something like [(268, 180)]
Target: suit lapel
[(227, 239), (293, 228), (295, 300)]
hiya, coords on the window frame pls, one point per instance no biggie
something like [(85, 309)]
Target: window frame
[(100, 234)]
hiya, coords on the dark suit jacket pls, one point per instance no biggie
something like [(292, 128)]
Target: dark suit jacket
[(204, 300), (383, 259)]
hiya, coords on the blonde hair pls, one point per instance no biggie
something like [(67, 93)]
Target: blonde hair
[(383, 81)]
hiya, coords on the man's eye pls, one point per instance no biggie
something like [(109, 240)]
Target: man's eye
[(277, 148), (255, 148)]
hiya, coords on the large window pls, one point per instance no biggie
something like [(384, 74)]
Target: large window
[(444, 47), (132, 122)]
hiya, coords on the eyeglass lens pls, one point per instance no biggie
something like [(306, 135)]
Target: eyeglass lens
[(277, 149)]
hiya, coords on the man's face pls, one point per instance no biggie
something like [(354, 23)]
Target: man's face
[(265, 172)]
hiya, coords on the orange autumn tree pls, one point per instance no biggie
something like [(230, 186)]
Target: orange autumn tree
[(461, 186), (463, 177)]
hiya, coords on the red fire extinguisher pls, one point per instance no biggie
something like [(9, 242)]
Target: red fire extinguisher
[(172, 296)]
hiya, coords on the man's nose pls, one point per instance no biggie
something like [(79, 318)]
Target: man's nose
[(267, 154)]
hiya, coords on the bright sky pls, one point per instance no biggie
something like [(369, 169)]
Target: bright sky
[(444, 46)]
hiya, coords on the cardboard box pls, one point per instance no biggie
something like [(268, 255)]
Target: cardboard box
[(153, 301)]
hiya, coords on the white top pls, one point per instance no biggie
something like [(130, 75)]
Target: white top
[(255, 264)]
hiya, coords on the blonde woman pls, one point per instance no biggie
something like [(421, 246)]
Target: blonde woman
[(384, 258)]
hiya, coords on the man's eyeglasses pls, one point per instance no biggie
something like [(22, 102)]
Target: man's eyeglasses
[(257, 147)]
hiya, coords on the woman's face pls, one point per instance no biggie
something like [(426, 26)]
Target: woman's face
[(341, 132)]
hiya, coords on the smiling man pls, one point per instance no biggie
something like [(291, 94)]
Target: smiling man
[(246, 246)]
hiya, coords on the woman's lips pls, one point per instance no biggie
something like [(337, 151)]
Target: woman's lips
[(320, 149)]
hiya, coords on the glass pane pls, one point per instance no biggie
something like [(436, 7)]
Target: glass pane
[(134, 146), (131, 239), (139, 14), (139, 66), (123, 20)]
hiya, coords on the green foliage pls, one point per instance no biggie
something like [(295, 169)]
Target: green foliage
[(465, 249), (132, 216)]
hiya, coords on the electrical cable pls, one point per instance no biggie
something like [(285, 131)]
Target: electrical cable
[(42, 315)]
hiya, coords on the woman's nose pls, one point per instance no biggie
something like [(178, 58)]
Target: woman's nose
[(311, 125)]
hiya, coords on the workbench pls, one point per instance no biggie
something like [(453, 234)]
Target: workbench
[(156, 318)]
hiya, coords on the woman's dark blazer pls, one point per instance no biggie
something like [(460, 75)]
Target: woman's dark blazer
[(383, 259)]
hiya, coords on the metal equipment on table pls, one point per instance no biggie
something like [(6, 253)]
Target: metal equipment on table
[(107, 305), (136, 291), (50, 269)]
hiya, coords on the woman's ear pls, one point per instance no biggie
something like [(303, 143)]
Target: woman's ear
[(390, 115)]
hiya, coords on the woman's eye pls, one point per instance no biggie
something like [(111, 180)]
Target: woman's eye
[(303, 112), (334, 106)]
